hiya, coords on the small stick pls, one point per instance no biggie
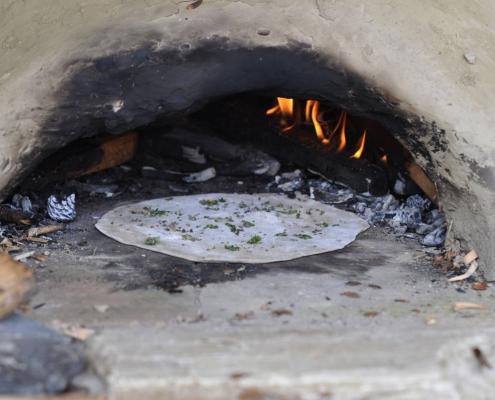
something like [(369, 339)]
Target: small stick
[(23, 256), (471, 270), (43, 230)]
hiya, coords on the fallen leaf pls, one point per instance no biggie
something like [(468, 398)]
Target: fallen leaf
[(481, 358), (281, 311), (371, 313), (479, 285), (373, 286), (238, 375), (194, 4), (16, 283), (78, 332), (401, 301), (352, 283), (244, 316), (460, 306), (352, 295)]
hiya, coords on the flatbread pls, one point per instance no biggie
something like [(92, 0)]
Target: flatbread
[(238, 228)]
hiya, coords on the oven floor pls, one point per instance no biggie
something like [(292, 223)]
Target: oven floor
[(370, 321)]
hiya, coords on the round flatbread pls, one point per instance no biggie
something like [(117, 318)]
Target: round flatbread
[(221, 227)]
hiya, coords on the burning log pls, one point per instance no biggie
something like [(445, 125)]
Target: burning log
[(10, 215)]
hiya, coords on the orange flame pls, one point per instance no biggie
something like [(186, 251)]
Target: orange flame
[(384, 159), (360, 149), (343, 140), (285, 106), (312, 111)]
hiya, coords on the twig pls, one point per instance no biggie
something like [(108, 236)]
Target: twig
[(43, 230)]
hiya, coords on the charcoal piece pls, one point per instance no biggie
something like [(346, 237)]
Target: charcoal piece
[(418, 201), (16, 201), (423, 229), (328, 192), (26, 205), (435, 238), (63, 210), (35, 360), (410, 217)]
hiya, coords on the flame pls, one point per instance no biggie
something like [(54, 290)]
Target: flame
[(288, 120), (312, 111), (383, 159), (360, 149), (285, 106), (309, 106), (343, 124)]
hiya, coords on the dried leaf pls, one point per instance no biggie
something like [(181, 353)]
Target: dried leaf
[(373, 286), (16, 283), (371, 313), (352, 295), (460, 306), (281, 311), (353, 283), (401, 301), (78, 332), (479, 285), (194, 4), (244, 316), (481, 358)]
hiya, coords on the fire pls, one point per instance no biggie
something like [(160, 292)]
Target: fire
[(360, 149), (285, 107), (384, 159), (291, 115)]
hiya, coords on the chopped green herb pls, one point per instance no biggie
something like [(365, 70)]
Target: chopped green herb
[(232, 247), (242, 205), (303, 236), (221, 200), (247, 224), (255, 239), (281, 234), (323, 224), (211, 226), (151, 240), (156, 212), (233, 228), (208, 202), (187, 236)]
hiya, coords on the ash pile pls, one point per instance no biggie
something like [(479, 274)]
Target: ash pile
[(412, 216)]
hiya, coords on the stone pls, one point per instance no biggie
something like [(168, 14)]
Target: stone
[(35, 360)]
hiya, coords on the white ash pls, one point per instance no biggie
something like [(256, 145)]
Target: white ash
[(63, 210), (193, 154), (201, 176), (22, 203), (412, 217)]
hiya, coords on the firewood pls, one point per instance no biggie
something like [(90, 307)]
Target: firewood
[(10, 215), (111, 152), (418, 175), (16, 282)]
